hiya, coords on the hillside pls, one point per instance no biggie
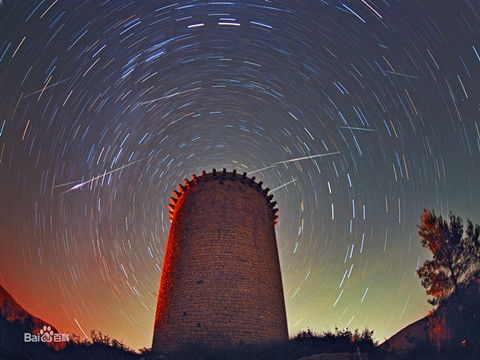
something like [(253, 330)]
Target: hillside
[(14, 313)]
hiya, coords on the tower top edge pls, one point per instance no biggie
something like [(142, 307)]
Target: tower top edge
[(222, 176)]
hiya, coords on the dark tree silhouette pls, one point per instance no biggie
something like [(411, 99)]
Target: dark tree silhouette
[(456, 254), (338, 341), (456, 322)]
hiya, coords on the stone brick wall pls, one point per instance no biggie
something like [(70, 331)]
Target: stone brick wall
[(221, 281)]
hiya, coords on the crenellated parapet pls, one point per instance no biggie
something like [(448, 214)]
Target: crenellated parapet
[(222, 177)]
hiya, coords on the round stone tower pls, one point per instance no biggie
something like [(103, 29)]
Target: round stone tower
[(221, 281)]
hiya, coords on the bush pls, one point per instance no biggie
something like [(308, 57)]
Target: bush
[(100, 346), (338, 341), (304, 344)]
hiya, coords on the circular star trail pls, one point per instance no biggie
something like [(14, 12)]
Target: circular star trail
[(358, 113)]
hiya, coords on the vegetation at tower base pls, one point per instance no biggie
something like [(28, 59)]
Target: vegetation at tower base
[(103, 347), (99, 346), (338, 341), (306, 343)]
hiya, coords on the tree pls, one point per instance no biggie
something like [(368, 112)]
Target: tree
[(456, 254)]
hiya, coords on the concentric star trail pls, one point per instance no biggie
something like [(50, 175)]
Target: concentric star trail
[(358, 114)]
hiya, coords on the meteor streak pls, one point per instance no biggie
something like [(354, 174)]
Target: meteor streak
[(401, 74), (357, 128), (265, 168), (78, 186), (281, 186), (306, 158), (293, 160), (48, 87), (170, 96)]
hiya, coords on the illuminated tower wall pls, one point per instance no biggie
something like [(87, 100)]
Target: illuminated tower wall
[(221, 281)]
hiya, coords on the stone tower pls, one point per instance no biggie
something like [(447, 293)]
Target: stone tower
[(221, 281)]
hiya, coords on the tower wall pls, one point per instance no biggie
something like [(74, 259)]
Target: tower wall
[(221, 281)]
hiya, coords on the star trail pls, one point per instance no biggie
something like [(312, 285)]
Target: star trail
[(358, 113)]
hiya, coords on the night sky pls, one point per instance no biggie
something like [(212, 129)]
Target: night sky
[(359, 113)]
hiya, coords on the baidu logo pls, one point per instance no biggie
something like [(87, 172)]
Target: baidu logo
[(46, 335)]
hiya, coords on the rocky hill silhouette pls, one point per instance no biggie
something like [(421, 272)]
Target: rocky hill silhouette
[(15, 321), (12, 311), (454, 323)]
